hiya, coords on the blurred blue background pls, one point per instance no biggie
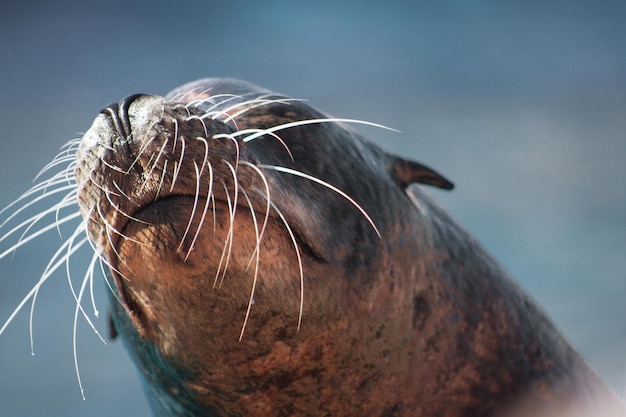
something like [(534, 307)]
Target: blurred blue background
[(521, 104)]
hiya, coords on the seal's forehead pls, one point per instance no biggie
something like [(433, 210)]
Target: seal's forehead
[(207, 88)]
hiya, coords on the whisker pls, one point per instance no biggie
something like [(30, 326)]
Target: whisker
[(253, 104), (42, 187), (68, 200), (77, 299), (230, 137), (120, 194), (68, 162), (90, 270), (327, 185), (267, 207), (175, 122), (33, 235), (180, 163), (107, 229), (64, 157), (206, 153), (179, 106), (161, 181), (108, 283), (214, 213), (193, 211), (146, 142), (114, 167), (228, 242), (49, 270), (211, 111), (300, 267), (74, 332), (180, 96), (311, 122), (256, 267), (34, 201), (154, 165), (201, 120), (142, 150), (122, 212), (251, 131), (212, 100), (99, 186), (233, 209), (204, 212)]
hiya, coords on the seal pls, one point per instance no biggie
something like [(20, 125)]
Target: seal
[(266, 259)]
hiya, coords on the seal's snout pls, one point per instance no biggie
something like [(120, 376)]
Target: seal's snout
[(118, 112)]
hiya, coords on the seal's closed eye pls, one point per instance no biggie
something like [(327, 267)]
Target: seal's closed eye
[(406, 172)]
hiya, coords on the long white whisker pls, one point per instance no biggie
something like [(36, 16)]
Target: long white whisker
[(193, 210), (180, 97), (233, 209), (35, 201), (67, 158), (212, 100), (223, 259), (67, 201), (86, 279), (178, 166), (300, 267), (311, 122), (74, 338), (50, 269), (101, 187), (161, 181), (106, 279), (253, 104), (32, 236), (267, 207), (119, 210), (256, 267), (143, 149), (204, 212), (36, 189), (231, 138), (327, 185), (201, 120), (114, 167), (206, 153), (251, 131), (153, 166), (90, 271)]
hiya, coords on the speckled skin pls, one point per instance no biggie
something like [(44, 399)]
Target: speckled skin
[(420, 321)]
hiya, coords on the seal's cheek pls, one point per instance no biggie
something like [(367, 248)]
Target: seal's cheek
[(188, 282)]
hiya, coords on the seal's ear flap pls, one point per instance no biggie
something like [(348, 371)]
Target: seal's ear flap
[(405, 172)]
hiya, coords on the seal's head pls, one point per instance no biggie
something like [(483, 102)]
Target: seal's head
[(245, 233), (266, 260)]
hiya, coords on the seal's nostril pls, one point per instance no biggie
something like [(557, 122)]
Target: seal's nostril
[(123, 111), (112, 111), (118, 112)]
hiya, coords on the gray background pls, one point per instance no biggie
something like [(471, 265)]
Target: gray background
[(521, 104)]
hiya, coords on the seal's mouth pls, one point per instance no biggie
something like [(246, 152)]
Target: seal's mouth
[(145, 149)]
